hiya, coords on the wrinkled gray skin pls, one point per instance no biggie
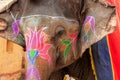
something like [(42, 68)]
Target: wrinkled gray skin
[(105, 19), (78, 10)]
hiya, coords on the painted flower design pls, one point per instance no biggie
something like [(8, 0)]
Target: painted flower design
[(68, 44), (89, 25), (36, 45), (74, 40), (15, 27), (32, 73)]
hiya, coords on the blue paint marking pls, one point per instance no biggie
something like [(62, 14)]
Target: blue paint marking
[(32, 58)]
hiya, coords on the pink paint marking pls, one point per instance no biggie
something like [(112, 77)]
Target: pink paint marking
[(44, 53), (41, 42), (36, 40), (32, 40), (43, 49), (32, 72)]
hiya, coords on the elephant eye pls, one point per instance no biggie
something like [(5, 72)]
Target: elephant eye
[(60, 30)]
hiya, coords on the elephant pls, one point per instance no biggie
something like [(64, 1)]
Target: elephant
[(56, 33)]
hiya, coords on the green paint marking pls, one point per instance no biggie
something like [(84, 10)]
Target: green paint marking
[(68, 46), (67, 50), (32, 53), (21, 39), (89, 35), (65, 42)]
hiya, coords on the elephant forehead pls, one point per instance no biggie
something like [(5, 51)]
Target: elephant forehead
[(49, 23)]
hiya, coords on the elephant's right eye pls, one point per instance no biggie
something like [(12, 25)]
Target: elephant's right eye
[(60, 30)]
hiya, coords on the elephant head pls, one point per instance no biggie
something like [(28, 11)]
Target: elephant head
[(56, 32)]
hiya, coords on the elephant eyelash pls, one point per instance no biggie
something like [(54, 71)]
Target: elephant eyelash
[(60, 33)]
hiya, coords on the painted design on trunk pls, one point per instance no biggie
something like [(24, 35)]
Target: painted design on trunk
[(68, 44), (15, 27), (89, 26), (36, 41), (32, 74), (36, 46), (32, 54)]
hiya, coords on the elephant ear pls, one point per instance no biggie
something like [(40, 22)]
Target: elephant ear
[(9, 29), (100, 21)]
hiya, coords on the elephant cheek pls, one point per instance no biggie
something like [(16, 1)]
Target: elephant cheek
[(44, 68)]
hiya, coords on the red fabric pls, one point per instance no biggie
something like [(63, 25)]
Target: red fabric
[(111, 2), (114, 41), (114, 45)]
